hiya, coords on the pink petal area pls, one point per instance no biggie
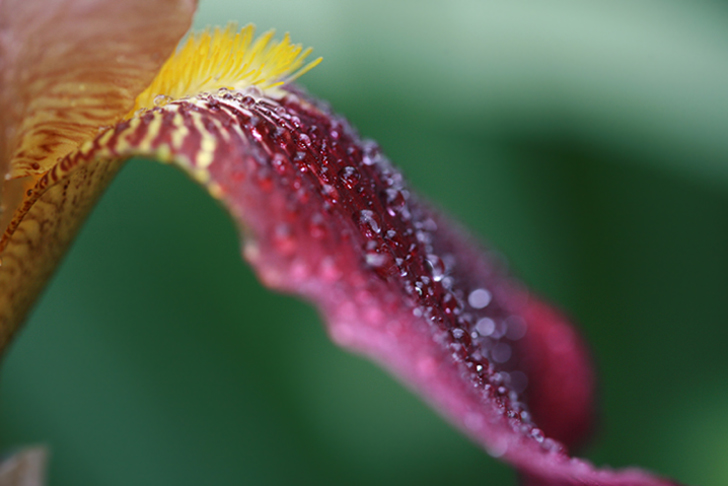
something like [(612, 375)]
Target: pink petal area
[(326, 216)]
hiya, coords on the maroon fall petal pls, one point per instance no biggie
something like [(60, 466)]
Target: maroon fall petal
[(326, 216)]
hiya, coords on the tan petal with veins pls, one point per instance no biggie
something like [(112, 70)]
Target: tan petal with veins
[(67, 70), (43, 229)]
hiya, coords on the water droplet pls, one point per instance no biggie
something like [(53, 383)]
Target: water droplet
[(253, 91), (437, 267), (330, 193), (314, 133), (396, 201), (350, 176), (497, 449), (224, 93), (300, 160), (424, 238), (279, 163), (369, 222), (552, 446), (372, 154), (304, 140), (479, 298), (375, 259), (450, 304), (161, 100), (485, 326)]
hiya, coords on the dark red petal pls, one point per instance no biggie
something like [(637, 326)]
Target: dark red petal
[(326, 216), (553, 354)]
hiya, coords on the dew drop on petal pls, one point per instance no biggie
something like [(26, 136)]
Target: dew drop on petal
[(498, 448), (330, 193), (350, 176), (372, 153), (552, 446), (479, 298), (279, 163), (253, 91), (437, 267), (161, 100), (369, 223), (304, 140), (485, 326), (374, 259)]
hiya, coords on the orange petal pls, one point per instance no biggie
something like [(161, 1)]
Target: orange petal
[(40, 232), (72, 66)]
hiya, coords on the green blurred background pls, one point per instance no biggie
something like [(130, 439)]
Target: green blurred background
[(588, 142)]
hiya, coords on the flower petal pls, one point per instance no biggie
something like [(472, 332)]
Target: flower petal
[(67, 70), (24, 468), (327, 217)]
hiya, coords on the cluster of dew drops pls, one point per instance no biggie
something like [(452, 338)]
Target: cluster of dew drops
[(399, 239)]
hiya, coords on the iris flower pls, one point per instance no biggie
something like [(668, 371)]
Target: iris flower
[(324, 214)]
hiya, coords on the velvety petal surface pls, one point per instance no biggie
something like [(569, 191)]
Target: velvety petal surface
[(326, 216)]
